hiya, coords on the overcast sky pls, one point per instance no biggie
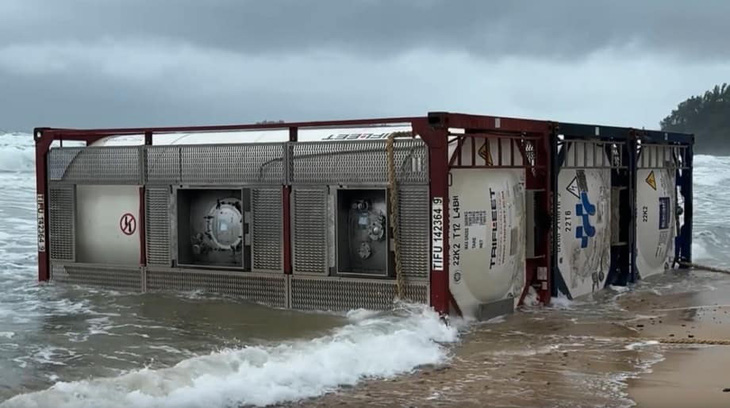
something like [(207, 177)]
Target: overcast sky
[(94, 63)]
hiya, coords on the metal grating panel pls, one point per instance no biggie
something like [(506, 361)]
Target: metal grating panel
[(239, 163), (414, 230), (158, 226), (62, 211), (96, 165), (357, 162), (309, 231), (264, 288), (267, 229), (337, 294), (59, 160), (163, 165), (114, 277)]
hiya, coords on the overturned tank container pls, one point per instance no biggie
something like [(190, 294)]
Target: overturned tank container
[(619, 197), (452, 210), (663, 180)]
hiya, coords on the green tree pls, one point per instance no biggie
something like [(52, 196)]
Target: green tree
[(708, 117)]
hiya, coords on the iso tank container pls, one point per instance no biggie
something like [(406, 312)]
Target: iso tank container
[(328, 215), (619, 205), (592, 201), (470, 214), (663, 179)]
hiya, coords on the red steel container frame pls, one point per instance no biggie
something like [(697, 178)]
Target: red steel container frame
[(433, 130)]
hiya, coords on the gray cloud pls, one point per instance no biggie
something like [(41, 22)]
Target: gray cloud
[(90, 96), (551, 29), (88, 63)]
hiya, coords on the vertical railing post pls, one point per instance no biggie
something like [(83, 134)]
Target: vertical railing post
[(286, 227), (554, 173), (286, 204), (42, 145), (142, 227), (143, 201), (545, 159), (685, 241), (632, 147), (434, 133)]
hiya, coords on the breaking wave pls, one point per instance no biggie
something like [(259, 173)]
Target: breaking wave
[(378, 346), (16, 152)]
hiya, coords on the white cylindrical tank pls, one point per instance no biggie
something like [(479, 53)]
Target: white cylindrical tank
[(487, 225), (655, 213), (583, 218), (108, 218), (259, 136)]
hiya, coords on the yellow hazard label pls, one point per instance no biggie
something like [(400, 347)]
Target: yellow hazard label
[(651, 180), (485, 154)]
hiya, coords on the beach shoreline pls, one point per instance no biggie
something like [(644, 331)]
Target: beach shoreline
[(599, 353), (691, 375)]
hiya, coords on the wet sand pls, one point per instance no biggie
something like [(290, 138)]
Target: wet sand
[(601, 352), (690, 375)]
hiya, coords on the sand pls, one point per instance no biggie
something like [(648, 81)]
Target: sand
[(601, 352), (692, 375)]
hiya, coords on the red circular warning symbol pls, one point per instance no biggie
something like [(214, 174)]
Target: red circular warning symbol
[(128, 224)]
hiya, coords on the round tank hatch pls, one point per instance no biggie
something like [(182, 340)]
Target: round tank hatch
[(224, 224)]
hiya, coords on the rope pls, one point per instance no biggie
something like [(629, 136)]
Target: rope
[(393, 210), (713, 342), (704, 267)]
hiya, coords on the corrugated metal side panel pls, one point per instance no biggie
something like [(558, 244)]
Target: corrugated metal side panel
[(62, 215), (309, 231), (267, 229), (270, 289), (96, 165), (259, 163), (158, 226), (362, 162), (163, 165), (413, 231), (107, 276), (338, 294)]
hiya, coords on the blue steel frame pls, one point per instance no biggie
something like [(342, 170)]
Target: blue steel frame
[(622, 253), (683, 241)]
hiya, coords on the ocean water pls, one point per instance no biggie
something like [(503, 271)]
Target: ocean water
[(74, 346), (66, 346)]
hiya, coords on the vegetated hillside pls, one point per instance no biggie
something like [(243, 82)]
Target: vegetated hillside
[(708, 117)]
